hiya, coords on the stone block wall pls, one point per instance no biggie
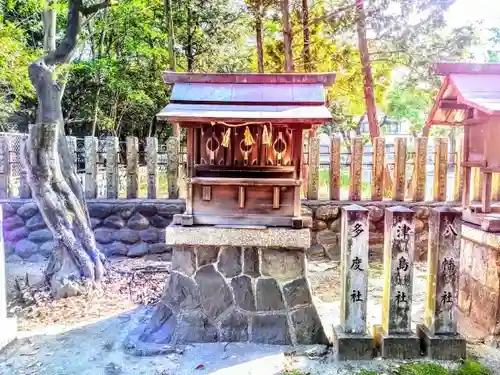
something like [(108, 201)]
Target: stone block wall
[(234, 294), (121, 227), (325, 237), (479, 286)]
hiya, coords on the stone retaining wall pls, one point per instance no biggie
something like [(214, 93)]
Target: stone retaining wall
[(325, 237), (121, 227)]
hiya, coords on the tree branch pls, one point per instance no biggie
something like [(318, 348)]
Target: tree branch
[(95, 8)]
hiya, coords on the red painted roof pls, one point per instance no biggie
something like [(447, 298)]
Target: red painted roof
[(466, 86)]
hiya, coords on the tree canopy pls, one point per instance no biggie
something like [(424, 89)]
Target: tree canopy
[(114, 85)]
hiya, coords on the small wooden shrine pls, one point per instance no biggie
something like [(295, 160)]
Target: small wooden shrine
[(244, 144), (470, 97)]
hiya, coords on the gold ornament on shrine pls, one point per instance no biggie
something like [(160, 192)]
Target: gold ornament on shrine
[(247, 137), (226, 137), (266, 139)]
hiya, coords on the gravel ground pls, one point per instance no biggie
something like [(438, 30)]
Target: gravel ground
[(80, 336)]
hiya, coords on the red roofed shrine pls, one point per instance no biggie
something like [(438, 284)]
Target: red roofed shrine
[(244, 142), (470, 97)]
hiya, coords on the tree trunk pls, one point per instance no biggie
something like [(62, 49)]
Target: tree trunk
[(258, 36), (189, 47), (171, 50), (287, 36), (76, 265), (371, 108), (306, 52)]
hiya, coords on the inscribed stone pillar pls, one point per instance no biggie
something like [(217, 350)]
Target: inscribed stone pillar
[(395, 337), (24, 188), (132, 167), (7, 325), (152, 165), (439, 333), (378, 161), (335, 169), (313, 182), (356, 169), (419, 169), (399, 183), (112, 167), (351, 338), (173, 167), (4, 168), (440, 169), (72, 148), (90, 167)]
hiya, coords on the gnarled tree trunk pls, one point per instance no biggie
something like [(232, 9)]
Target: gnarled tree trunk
[(76, 264)]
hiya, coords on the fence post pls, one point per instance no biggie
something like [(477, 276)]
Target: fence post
[(399, 249), (112, 167), (399, 181), (439, 331), (4, 168), (173, 149), (419, 172), (440, 169), (356, 168), (313, 180), (132, 167), (351, 337), (304, 172), (152, 166), (71, 140), (24, 188), (459, 173), (335, 169), (378, 160), (90, 167)]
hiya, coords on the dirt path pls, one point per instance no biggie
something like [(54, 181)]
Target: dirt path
[(84, 337)]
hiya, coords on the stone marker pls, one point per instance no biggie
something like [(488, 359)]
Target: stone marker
[(394, 337), (439, 337), (351, 338), (8, 326)]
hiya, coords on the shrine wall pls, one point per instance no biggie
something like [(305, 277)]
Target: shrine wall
[(325, 236)]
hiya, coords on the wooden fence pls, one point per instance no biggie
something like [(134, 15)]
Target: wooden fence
[(143, 169)]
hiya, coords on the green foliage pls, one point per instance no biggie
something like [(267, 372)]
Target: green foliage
[(472, 368)]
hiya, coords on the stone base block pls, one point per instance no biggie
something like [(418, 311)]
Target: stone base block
[(8, 327), (441, 347), (233, 294), (352, 346), (396, 346)]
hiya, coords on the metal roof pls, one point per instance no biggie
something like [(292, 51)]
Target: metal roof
[(286, 98), (277, 114)]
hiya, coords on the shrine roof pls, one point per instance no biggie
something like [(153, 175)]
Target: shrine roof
[(287, 98), (466, 87), (276, 114)]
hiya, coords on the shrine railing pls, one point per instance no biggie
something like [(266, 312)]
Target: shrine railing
[(421, 171)]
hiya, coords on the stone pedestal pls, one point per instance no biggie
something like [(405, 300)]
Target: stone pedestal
[(351, 339), (8, 326), (439, 337), (394, 337), (479, 285), (235, 285)]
